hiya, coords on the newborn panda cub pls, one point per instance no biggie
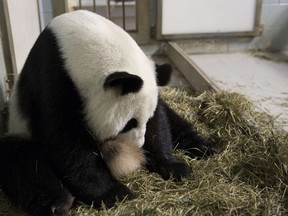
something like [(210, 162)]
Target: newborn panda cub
[(122, 158), (84, 112)]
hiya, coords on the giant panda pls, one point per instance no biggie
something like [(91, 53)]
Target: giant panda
[(85, 111)]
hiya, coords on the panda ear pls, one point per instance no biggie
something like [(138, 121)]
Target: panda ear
[(163, 73), (127, 83)]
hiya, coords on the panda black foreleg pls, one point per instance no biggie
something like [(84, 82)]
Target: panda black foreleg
[(185, 137), (78, 162), (28, 181), (91, 182), (158, 147)]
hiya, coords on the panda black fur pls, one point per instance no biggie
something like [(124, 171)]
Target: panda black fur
[(86, 100)]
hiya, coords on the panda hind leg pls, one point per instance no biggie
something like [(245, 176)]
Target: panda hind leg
[(185, 137), (28, 181)]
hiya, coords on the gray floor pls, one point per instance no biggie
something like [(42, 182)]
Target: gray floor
[(264, 80), (262, 77)]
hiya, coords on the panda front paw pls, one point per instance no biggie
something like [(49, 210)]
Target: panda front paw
[(200, 149), (194, 145), (118, 193), (175, 170), (170, 169)]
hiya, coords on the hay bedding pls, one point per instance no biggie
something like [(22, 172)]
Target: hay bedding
[(248, 177)]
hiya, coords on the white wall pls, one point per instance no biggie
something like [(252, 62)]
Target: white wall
[(207, 16), (274, 17), (25, 27)]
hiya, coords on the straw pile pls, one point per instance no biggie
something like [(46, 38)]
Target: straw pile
[(248, 177)]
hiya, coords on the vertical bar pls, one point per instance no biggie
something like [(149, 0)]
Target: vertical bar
[(109, 9), (136, 17), (159, 14), (39, 16), (80, 4), (123, 14), (142, 36), (8, 46), (94, 6), (59, 7), (257, 21)]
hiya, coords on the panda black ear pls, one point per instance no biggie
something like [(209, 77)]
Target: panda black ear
[(163, 73), (127, 83)]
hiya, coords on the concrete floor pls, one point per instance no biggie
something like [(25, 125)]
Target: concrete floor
[(263, 80), (262, 77)]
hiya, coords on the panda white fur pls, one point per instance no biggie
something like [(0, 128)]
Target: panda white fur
[(84, 111), (89, 60)]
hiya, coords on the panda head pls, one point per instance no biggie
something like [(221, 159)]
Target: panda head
[(116, 81)]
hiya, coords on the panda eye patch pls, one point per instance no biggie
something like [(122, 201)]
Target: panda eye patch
[(132, 123)]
